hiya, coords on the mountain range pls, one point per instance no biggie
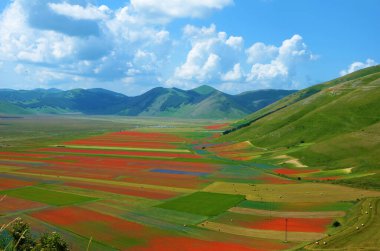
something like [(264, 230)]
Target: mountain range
[(201, 102)]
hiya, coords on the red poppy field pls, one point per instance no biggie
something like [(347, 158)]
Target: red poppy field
[(12, 183), (291, 224)]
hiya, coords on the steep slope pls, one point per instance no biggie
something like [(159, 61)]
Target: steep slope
[(201, 102), (332, 125), (256, 100)]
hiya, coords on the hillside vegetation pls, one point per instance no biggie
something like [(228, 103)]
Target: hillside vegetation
[(201, 102), (331, 125)]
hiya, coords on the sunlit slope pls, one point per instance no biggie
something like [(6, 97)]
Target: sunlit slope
[(340, 120)]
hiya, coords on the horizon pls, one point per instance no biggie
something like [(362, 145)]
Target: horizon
[(232, 45), (58, 89)]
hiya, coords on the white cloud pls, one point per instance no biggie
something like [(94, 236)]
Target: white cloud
[(90, 12), (268, 72), (259, 52), (179, 8), (215, 57), (357, 66), (235, 42), (275, 66), (111, 54), (234, 75), (212, 54), (20, 42), (62, 44)]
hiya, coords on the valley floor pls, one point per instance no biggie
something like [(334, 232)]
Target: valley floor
[(149, 184)]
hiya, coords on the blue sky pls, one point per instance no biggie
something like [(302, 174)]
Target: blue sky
[(233, 45)]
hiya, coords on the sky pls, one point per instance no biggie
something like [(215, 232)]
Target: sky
[(232, 45)]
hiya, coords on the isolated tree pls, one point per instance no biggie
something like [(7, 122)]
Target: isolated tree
[(336, 224), (52, 241), (22, 238)]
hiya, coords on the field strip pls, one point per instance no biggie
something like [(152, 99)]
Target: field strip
[(5, 169), (20, 161), (302, 192), (265, 234), (124, 148), (108, 182), (24, 211), (311, 215), (113, 155)]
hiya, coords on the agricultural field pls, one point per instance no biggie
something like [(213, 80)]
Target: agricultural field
[(148, 184)]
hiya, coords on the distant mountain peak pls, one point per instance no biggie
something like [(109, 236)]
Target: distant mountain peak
[(201, 102), (204, 89)]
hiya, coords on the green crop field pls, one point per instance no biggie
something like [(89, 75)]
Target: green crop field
[(46, 196), (202, 203)]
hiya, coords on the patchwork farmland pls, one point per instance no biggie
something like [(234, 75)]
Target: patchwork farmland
[(167, 187)]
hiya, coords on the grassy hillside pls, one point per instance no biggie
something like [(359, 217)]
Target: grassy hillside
[(331, 125), (9, 108), (201, 102)]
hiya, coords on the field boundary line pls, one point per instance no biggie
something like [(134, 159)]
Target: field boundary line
[(259, 233), (284, 214), (110, 182), (140, 149)]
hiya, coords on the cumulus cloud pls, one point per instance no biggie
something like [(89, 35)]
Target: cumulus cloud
[(260, 52), (355, 66), (211, 55), (63, 43), (216, 57), (90, 12), (61, 38), (179, 8), (20, 42), (234, 75), (274, 66)]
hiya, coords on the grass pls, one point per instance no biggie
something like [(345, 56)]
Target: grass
[(302, 192), (337, 206), (295, 207), (47, 196), (263, 205), (359, 230), (203, 203), (341, 118)]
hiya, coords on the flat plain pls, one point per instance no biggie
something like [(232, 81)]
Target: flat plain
[(151, 184)]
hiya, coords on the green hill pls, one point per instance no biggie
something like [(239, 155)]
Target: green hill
[(331, 125), (9, 108), (201, 102)]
